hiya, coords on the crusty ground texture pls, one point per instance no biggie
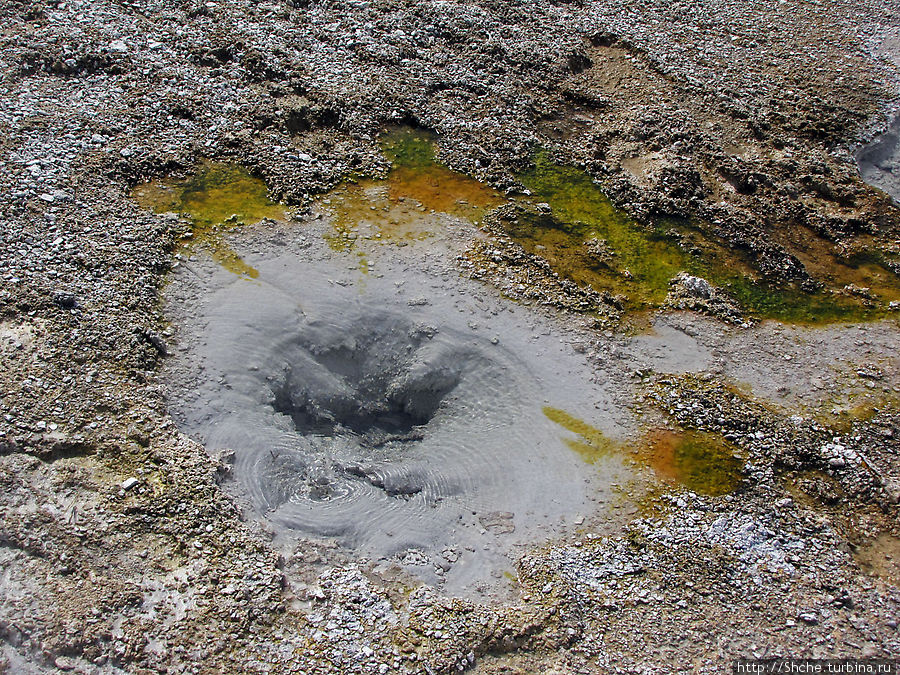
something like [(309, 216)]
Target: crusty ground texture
[(740, 113)]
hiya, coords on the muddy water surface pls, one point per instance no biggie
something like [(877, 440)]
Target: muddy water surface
[(397, 412), (367, 395)]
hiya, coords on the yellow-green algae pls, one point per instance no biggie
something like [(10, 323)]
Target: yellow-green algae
[(862, 407), (699, 461), (584, 238), (640, 263), (217, 198), (842, 277), (587, 240), (392, 209), (591, 443)]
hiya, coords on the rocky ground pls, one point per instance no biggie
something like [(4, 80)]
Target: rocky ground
[(120, 550)]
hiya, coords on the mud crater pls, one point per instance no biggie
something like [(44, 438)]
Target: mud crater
[(396, 413), (371, 384), (359, 393)]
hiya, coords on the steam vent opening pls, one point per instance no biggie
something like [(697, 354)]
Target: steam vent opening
[(393, 410)]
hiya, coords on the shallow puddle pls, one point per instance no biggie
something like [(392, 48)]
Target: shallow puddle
[(216, 199), (881, 557), (699, 461), (842, 416)]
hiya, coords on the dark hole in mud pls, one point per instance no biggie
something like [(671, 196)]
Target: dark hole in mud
[(373, 384), (366, 404), (578, 62)]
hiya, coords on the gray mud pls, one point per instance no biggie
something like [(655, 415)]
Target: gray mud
[(795, 369), (397, 412), (879, 162)]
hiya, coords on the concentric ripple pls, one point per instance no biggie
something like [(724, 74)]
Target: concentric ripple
[(389, 413)]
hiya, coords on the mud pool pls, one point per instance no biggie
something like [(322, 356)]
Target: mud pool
[(397, 412)]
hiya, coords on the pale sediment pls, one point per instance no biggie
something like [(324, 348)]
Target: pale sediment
[(398, 411)]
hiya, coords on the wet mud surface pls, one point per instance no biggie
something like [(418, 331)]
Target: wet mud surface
[(397, 411)]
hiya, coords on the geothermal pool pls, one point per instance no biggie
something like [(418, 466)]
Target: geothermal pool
[(396, 409)]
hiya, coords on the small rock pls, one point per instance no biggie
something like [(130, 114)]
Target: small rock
[(808, 618), (64, 300), (699, 288), (498, 522), (64, 663)]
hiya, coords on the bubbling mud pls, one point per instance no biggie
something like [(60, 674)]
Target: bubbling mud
[(397, 413)]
